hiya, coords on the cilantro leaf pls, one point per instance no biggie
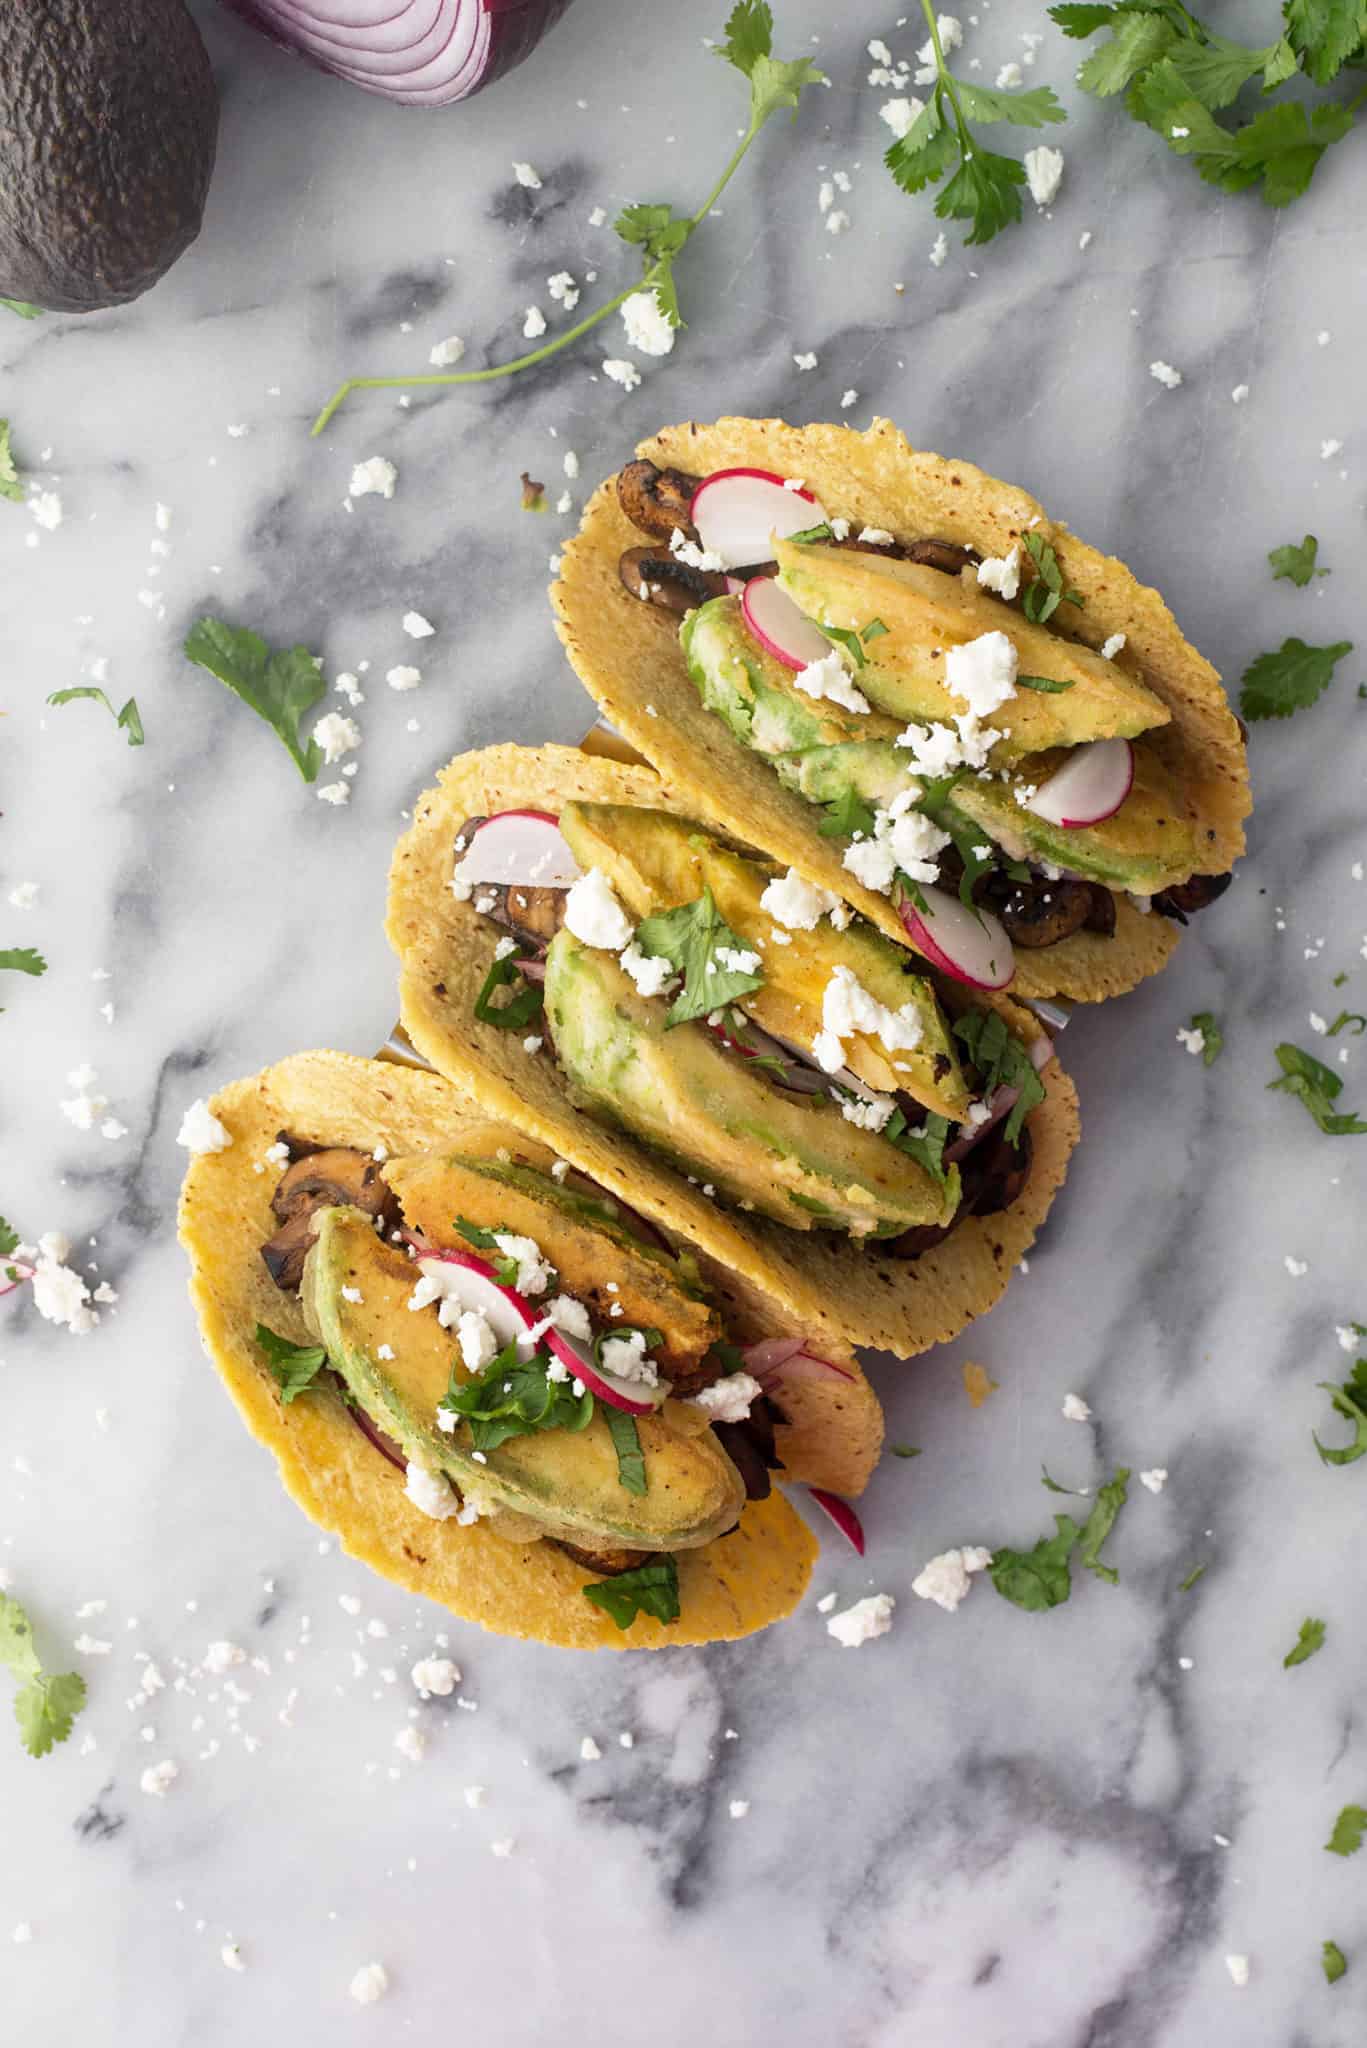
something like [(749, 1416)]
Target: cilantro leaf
[(1350, 1401), (515, 1397), (1310, 1639), (1080, 18), (1326, 34), (1214, 1038), (1037, 108), (905, 1450), (692, 937), (1050, 685), (1345, 1837), (11, 483), (847, 816), (1110, 1500), (1038, 1579), (294, 1367), (523, 1005), (45, 1704), (9, 1238), (1345, 1021), (1280, 683), (128, 720), (926, 1144), (17, 1653), (22, 307), (986, 189), (1136, 41), (1296, 564), (1002, 1062), (1334, 1961), (23, 959), (1047, 1480), (748, 44), (1217, 70), (626, 1441), (1319, 1088), (279, 686), (923, 155), (650, 1589), (1042, 598)]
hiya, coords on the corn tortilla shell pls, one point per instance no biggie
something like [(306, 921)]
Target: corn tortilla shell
[(732, 1587), (627, 656), (825, 1285)]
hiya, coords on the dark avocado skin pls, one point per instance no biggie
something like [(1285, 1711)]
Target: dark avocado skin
[(108, 125)]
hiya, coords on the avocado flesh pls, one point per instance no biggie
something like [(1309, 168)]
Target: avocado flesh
[(792, 1157), (565, 1481), (926, 612), (574, 1232), (656, 861), (108, 126), (1145, 846), (872, 770), (756, 696)]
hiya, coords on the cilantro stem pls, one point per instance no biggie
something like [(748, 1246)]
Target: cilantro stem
[(946, 82)]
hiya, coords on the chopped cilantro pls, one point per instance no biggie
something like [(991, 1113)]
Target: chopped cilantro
[(1296, 564), (278, 686), (128, 720), (1042, 598), (11, 483), (1277, 685), (294, 1366), (1078, 1492), (1040, 1578), (1347, 1020), (9, 1238), (22, 307), (848, 816), (730, 1357), (1002, 1062), (1350, 1401), (1110, 1500), (905, 1450), (1050, 685), (1192, 1576), (874, 630), (690, 938), (846, 637), (1334, 1961), (46, 1704), (23, 960), (1213, 1038), (650, 1589), (524, 1005), (813, 533), (1319, 1088), (1345, 1837), (1310, 1639), (505, 1265), (925, 1143), (515, 1397), (626, 1441)]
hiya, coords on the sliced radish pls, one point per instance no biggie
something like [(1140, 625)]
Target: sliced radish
[(736, 511), (779, 626), (842, 1514), (968, 944), (1091, 785), (630, 1395), (523, 848)]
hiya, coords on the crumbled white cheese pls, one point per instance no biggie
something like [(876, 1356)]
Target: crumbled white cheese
[(847, 1007), (589, 1751), (1329, 449), (625, 1358), (648, 326), (403, 678), (736, 960), (806, 361), (1110, 648), (982, 672), (862, 1622), (871, 1113), (60, 1295), (1164, 374), (1194, 1039), (622, 371), (651, 972), (23, 896), (1348, 1337), (369, 1984), (376, 475), (729, 1399), (947, 1579), (533, 1272), (1075, 1409), (848, 398), (201, 1131), (738, 1808), (1239, 394), (46, 507), (222, 1656), (533, 324), (563, 290), (828, 678), (336, 736), (1044, 169), (1297, 1268), (593, 914), (430, 1493), (837, 222), (872, 862), (796, 904), (447, 353), (417, 627), (157, 1780), (1002, 573), (412, 1743), (685, 550), (477, 1342), (231, 1957), (525, 175), (334, 793), (1238, 1969), (1156, 1479), (474, 1795)]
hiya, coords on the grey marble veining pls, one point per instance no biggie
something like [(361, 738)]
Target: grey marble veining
[(995, 1830)]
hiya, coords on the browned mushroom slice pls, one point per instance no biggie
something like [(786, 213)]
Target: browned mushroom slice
[(608, 1563), (659, 578), (1182, 901), (327, 1179), (657, 500), (1040, 912), (946, 555), (285, 1253), (1101, 916)]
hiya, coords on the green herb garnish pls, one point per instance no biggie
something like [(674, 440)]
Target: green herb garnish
[(847, 816), (295, 1366), (626, 1441), (44, 1706), (812, 533), (1310, 1639), (23, 960), (1334, 1962), (1347, 1020), (515, 1397), (925, 1144), (505, 1264), (650, 1589), (1040, 1578), (655, 230), (278, 686), (1277, 685), (1042, 598), (11, 483), (1002, 1062), (1213, 1038), (1050, 685), (22, 307), (874, 630), (1046, 1479), (1345, 1837), (1319, 1088), (905, 1450), (1296, 564), (9, 1238), (1192, 1576), (846, 637), (128, 720), (521, 1008), (1350, 1401), (690, 938)]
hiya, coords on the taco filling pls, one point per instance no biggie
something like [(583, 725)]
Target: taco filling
[(527, 1354), (1000, 782), (747, 1026)]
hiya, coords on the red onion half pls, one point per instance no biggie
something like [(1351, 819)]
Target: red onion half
[(422, 53)]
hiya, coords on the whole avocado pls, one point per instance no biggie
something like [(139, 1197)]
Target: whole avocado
[(108, 125)]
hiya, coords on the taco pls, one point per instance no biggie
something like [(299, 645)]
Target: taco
[(497, 1384), (902, 679), (723, 1046)]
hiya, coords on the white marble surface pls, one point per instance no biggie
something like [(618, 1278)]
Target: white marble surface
[(998, 1830)]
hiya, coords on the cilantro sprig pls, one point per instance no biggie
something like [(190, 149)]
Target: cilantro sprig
[(524, 1004), (847, 816), (1310, 1639), (294, 1367), (11, 482), (654, 229), (46, 1704), (23, 960), (1280, 683), (1212, 1037), (985, 188), (1002, 1062), (1319, 1088), (278, 686), (692, 937), (1345, 1837), (1296, 563), (22, 307), (128, 720), (1041, 598), (650, 1589), (1040, 1578), (1348, 1399), (1333, 1961), (925, 1143), (515, 1397), (1177, 75)]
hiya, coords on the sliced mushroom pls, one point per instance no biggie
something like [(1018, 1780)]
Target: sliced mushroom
[(326, 1179), (1182, 901), (657, 500), (1101, 916), (659, 578), (1040, 912), (285, 1253), (947, 555), (607, 1563)]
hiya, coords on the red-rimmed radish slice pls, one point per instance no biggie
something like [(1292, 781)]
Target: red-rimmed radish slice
[(521, 848), (735, 511), (970, 945), (20, 1274), (787, 1358), (1091, 785), (842, 1514), (780, 627), (632, 1396)]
